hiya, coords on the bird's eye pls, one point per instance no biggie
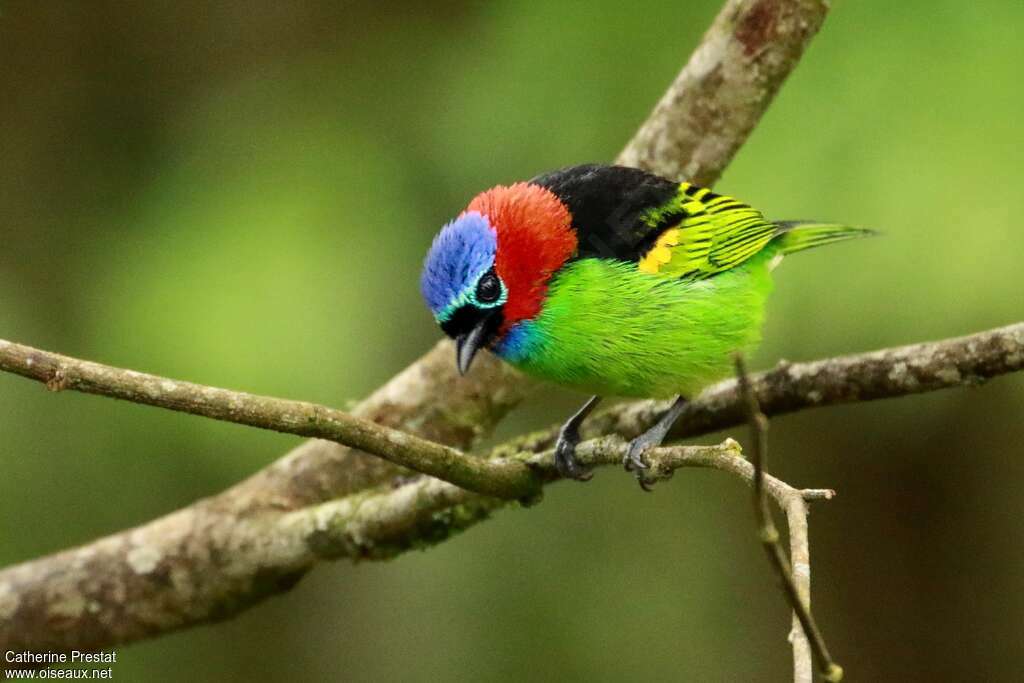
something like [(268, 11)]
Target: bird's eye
[(488, 289)]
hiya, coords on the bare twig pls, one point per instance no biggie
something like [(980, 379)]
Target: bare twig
[(800, 559), (382, 524), (500, 478), (796, 510)]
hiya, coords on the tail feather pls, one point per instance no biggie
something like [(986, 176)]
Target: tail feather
[(799, 235)]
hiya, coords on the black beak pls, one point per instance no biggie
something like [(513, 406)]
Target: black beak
[(466, 345)]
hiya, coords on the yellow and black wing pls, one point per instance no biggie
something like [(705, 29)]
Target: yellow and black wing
[(714, 233), (666, 227), (671, 229)]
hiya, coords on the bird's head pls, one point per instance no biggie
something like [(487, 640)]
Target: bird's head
[(488, 269)]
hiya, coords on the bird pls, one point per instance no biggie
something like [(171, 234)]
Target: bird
[(613, 281)]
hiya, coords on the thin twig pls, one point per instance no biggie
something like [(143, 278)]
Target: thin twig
[(501, 478), (381, 525), (769, 535), (800, 559)]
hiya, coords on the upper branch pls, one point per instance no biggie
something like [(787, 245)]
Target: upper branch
[(744, 58)]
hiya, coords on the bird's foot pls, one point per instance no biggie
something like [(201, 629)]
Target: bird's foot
[(565, 457), (634, 461), (568, 438)]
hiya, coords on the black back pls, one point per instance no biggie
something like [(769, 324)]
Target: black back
[(607, 203)]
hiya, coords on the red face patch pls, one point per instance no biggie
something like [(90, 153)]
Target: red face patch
[(535, 238)]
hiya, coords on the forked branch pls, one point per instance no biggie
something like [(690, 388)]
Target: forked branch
[(806, 636)]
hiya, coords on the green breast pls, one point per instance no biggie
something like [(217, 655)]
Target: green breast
[(608, 328)]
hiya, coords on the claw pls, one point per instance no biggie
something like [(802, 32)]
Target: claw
[(634, 458), (565, 448), (634, 462), (565, 459)]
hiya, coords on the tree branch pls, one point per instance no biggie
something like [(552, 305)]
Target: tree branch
[(888, 373), (222, 554), (219, 555), (425, 511), (743, 59), (805, 636), (505, 479)]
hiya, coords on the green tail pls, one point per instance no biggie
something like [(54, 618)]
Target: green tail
[(799, 235)]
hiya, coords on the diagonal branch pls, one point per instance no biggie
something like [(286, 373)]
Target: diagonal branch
[(743, 58)]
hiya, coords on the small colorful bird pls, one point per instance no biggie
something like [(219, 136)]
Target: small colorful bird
[(613, 281)]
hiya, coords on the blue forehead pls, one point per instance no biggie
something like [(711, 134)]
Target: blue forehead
[(461, 253)]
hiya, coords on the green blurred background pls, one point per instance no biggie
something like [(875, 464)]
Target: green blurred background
[(241, 194)]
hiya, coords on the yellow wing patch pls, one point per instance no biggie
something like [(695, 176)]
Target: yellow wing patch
[(714, 233), (661, 252)]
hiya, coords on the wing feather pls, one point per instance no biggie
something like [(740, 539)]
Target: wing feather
[(716, 233)]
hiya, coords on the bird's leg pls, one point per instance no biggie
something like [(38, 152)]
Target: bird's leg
[(634, 458), (568, 437)]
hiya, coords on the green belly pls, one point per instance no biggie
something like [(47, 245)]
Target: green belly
[(607, 328)]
